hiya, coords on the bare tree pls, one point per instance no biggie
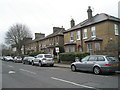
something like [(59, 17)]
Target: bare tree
[(16, 34)]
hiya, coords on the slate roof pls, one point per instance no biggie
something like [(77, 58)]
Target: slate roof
[(58, 32), (95, 19), (94, 39)]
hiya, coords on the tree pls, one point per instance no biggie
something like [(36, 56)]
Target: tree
[(16, 34)]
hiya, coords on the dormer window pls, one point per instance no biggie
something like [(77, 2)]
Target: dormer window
[(93, 32)]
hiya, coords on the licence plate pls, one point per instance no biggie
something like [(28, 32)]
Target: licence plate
[(115, 64), (49, 60)]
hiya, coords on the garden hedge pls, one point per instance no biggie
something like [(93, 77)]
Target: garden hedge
[(71, 56)]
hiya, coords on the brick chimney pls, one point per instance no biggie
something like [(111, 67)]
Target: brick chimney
[(55, 29), (89, 11), (72, 22), (39, 35)]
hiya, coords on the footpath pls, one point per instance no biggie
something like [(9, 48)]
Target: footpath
[(62, 65)]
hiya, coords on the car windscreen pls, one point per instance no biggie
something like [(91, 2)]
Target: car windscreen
[(110, 58), (48, 56)]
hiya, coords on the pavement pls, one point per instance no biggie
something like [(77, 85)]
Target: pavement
[(62, 65)]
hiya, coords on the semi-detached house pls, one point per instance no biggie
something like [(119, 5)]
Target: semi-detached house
[(99, 34), (45, 44)]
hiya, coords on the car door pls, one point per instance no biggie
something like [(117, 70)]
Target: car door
[(81, 65), (90, 63)]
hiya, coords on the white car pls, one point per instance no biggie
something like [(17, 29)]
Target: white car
[(17, 59), (8, 58), (43, 59)]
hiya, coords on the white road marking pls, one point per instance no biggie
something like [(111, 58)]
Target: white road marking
[(10, 66), (11, 72), (72, 83), (27, 71)]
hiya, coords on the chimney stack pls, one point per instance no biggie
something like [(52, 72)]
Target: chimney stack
[(72, 22), (39, 35), (89, 11)]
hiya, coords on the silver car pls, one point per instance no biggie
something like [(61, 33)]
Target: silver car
[(97, 64), (28, 60), (43, 59)]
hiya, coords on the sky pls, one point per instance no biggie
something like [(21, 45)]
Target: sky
[(40, 16)]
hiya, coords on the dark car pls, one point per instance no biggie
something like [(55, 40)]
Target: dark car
[(28, 60), (97, 64)]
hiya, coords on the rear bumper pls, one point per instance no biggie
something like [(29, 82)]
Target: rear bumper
[(109, 69)]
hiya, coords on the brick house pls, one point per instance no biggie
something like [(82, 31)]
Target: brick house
[(48, 43), (99, 34)]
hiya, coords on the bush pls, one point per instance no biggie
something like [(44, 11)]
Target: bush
[(36, 53), (71, 56)]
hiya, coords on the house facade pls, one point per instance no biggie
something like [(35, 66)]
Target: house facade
[(99, 34), (46, 44)]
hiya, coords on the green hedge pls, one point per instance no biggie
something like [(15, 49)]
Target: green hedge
[(71, 56)]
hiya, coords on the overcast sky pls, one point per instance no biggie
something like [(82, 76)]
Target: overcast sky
[(43, 15)]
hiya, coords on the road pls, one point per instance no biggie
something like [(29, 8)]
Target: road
[(18, 75)]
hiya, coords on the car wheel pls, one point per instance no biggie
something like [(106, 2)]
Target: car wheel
[(73, 68), (32, 63), (40, 64), (97, 70), (52, 65), (23, 62)]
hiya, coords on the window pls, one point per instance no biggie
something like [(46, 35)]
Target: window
[(93, 33), (116, 29), (101, 58), (72, 49), (71, 36), (89, 46), (93, 58), (85, 59), (78, 35), (66, 49), (85, 34), (97, 46)]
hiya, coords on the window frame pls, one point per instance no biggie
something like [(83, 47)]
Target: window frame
[(93, 31), (71, 36), (116, 29), (85, 34), (78, 35)]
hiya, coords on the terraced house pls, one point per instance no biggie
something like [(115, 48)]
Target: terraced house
[(99, 34), (46, 44)]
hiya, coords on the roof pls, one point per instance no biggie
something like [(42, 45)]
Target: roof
[(71, 43), (94, 39), (95, 19), (57, 33)]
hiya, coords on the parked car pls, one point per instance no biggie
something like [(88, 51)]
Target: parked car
[(28, 60), (1, 57), (97, 64), (43, 59), (8, 58), (17, 59)]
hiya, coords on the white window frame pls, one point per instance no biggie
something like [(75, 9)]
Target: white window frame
[(72, 49), (85, 34), (71, 36), (116, 29), (78, 35), (93, 31), (66, 49), (97, 46)]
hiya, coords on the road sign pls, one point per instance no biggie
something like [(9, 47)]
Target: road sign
[(57, 49)]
